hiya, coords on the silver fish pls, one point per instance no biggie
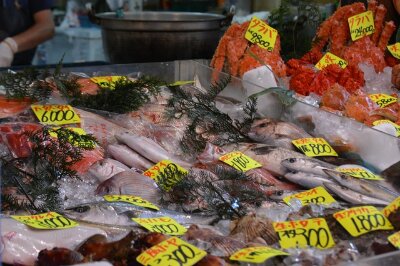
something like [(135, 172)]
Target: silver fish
[(149, 149), (354, 197), (121, 214), (127, 156), (130, 183), (362, 186), (106, 168), (307, 165), (306, 180), (277, 133)]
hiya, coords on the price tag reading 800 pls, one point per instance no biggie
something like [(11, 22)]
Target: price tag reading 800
[(382, 99), (304, 233), (317, 195), (239, 161), (256, 254), (55, 114), (49, 221), (138, 201), (313, 147), (166, 174), (361, 220), (164, 225), (361, 25), (330, 59), (261, 34), (172, 252)]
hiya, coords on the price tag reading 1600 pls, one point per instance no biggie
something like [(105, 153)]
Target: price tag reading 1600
[(56, 114)]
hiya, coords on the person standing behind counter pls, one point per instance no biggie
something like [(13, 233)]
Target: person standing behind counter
[(24, 24)]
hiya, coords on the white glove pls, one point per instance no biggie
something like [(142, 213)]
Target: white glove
[(8, 48)]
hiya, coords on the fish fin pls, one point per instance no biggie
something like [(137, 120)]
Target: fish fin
[(264, 149), (366, 188)]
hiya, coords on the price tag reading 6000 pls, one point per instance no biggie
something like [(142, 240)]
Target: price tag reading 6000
[(304, 233), (49, 220), (172, 251), (56, 114)]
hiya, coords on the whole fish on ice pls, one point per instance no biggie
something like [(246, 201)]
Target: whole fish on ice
[(126, 155), (106, 168), (307, 165), (307, 180)]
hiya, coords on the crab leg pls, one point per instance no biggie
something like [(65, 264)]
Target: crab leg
[(372, 4), (379, 18), (387, 32)]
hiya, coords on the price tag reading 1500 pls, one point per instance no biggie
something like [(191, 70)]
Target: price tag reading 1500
[(304, 233), (261, 34), (172, 251), (361, 220), (55, 114)]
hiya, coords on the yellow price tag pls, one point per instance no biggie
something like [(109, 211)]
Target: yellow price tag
[(106, 81), (359, 172), (138, 201), (239, 161), (80, 131), (261, 34), (304, 233), (330, 59), (393, 206), (256, 254), (396, 126), (164, 225), (166, 174), (55, 114), (382, 99), (49, 221), (313, 147), (172, 251), (317, 195), (361, 25), (361, 220), (394, 49), (181, 83), (394, 239)]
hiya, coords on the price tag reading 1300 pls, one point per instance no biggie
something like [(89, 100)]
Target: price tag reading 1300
[(239, 161), (164, 225), (361, 220), (261, 34), (313, 147), (304, 233), (172, 251), (49, 220), (55, 114)]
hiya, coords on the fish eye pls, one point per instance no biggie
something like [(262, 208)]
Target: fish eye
[(279, 193), (262, 125), (292, 160), (219, 150), (294, 172), (80, 209)]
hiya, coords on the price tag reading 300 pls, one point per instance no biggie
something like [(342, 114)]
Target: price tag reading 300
[(55, 114), (317, 195), (313, 147), (304, 233), (164, 225), (239, 161), (361, 25), (261, 34), (361, 220), (49, 220)]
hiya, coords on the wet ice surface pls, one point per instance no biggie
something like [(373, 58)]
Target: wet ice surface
[(377, 82), (75, 192)]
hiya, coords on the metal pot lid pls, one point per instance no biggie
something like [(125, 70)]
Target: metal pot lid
[(160, 21)]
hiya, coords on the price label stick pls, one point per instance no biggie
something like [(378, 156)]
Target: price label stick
[(394, 49), (239, 161), (361, 220), (313, 147), (55, 114), (393, 206), (166, 174), (330, 59), (106, 81), (256, 254), (48, 220), (394, 239), (304, 234), (172, 251), (361, 25), (317, 195), (261, 34), (164, 225), (80, 132), (138, 201), (382, 99), (359, 172)]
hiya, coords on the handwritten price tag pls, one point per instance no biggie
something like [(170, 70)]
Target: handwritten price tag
[(239, 161), (164, 225), (166, 174), (304, 233), (256, 254), (80, 132), (261, 34), (396, 126), (361, 220), (313, 147), (361, 25), (382, 100), (106, 81), (394, 239), (172, 251), (55, 114), (394, 49), (330, 59), (393, 206), (138, 201), (359, 173), (317, 195), (49, 221)]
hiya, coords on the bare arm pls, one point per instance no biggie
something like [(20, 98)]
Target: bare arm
[(41, 30)]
